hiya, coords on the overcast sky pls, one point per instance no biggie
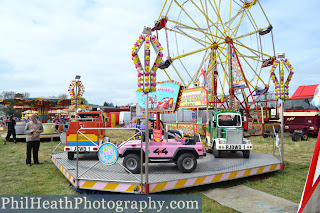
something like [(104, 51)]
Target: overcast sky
[(45, 43)]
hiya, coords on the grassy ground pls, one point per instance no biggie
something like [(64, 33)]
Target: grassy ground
[(17, 178)]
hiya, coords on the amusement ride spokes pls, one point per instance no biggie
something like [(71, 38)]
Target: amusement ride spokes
[(221, 45)]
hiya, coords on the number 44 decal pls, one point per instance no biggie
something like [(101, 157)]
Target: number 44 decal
[(161, 151)]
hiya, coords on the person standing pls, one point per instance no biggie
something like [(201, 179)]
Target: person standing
[(237, 107), (11, 130), (33, 130)]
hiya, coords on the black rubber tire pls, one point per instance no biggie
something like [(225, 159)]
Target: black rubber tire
[(98, 156), (70, 155), (246, 153), (207, 149), (187, 163), (216, 152), (132, 163), (304, 136), (265, 134), (295, 136)]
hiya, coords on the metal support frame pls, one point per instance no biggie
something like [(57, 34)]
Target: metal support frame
[(281, 125), (52, 131), (77, 92), (277, 145), (147, 146), (231, 90), (75, 109)]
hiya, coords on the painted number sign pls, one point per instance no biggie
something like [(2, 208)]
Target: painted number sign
[(108, 154)]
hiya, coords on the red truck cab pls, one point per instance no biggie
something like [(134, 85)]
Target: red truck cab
[(301, 118)]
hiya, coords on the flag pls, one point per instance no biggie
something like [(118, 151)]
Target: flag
[(210, 71), (310, 200), (237, 77), (202, 75), (211, 76)]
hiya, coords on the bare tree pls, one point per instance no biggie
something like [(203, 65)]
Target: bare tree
[(7, 94), (10, 110), (84, 101), (12, 94), (26, 94), (64, 96)]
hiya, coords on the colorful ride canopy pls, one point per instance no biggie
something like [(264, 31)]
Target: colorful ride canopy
[(37, 102)]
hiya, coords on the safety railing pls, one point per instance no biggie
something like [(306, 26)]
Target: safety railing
[(79, 176), (58, 129)]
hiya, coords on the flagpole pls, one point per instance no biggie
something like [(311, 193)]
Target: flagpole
[(311, 176), (311, 190)]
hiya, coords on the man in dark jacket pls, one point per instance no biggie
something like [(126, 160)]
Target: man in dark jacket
[(11, 130)]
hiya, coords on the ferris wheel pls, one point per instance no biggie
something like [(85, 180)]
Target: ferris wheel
[(223, 45)]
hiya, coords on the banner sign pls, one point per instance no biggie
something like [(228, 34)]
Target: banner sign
[(165, 99), (195, 97), (108, 154)]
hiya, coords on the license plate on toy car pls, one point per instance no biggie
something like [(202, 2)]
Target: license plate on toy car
[(81, 149), (235, 147)]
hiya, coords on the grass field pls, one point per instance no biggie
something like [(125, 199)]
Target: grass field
[(17, 178)]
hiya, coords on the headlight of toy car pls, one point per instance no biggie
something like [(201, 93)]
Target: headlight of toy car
[(246, 141), (222, 141)]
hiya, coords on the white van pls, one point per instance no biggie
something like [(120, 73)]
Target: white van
[(124, 118)]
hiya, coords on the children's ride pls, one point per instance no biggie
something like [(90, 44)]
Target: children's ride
[(183, 152), (225, 133), (87, 140)]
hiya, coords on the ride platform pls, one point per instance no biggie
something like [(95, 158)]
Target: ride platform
[(95, 175)]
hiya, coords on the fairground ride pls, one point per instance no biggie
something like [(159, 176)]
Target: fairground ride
[(223, 45)]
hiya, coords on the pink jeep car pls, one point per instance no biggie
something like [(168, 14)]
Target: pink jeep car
[(183, 152)]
